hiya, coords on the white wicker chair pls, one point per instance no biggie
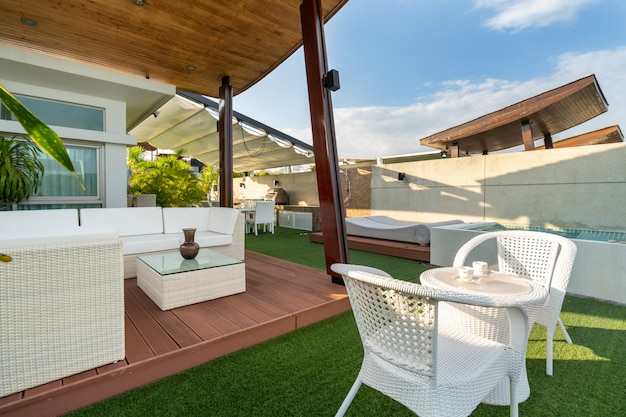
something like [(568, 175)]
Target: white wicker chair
[(543, 257), (415, 356), (263, 214)]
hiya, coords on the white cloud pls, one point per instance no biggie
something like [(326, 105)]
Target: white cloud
[(516, 15), (366, 132)]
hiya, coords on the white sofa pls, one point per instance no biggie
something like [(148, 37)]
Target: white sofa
[(141, 229), (155, 229), (62, 293), (61, 298)]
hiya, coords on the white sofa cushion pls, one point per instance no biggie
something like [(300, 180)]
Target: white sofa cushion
[(150, 243), (223, 220), (128, 221), (62, 236), (206, 239), (39, 220), (175, 219)]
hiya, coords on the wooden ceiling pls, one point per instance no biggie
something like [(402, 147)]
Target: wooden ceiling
[(548, 113), (163, 39)]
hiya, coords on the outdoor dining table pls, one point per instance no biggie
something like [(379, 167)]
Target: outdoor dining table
[(504, 289)]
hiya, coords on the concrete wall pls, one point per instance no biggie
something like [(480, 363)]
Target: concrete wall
[(582, 187)]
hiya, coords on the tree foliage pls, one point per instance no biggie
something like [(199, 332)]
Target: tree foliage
[(209, 177), (170, 178)]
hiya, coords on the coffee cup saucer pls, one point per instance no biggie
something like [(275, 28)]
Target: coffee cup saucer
[(474, 279)]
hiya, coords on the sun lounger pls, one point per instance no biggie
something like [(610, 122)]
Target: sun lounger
[(383, 227)]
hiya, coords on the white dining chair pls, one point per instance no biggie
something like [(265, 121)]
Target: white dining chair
[(543, 257), (263, 215), (416, 357)]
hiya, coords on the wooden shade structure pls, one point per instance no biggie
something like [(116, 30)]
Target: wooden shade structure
[(189, 44), (610, 134), (536, 118), (217, 48)]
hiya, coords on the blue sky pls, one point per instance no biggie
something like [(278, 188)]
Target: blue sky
[(411, 68)]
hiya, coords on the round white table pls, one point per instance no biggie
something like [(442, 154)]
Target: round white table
[(504, 289), (493, 284)]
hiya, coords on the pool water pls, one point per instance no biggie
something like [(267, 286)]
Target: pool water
[(584, 234)]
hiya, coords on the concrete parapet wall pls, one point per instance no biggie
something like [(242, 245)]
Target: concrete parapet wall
[(582, 187)]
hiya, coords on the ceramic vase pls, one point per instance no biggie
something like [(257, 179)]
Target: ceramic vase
[(189, 248)]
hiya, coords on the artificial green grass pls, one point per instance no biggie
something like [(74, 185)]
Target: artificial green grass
[(308, 372), (294, 245)]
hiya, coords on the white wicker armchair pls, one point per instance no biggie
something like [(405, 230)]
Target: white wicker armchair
[(543, 257), (420, 359)]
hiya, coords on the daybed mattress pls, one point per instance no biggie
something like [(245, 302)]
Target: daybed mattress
[(383, 227)]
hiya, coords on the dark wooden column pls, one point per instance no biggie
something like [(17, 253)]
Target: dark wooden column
[(225, 127), (547, 141), (527, 137), (332, 211)]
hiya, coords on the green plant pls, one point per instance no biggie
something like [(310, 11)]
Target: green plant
[(39, 132), (168, 177), (208, 179), (20, 170)]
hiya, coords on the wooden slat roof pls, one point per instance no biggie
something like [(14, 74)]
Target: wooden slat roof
[(548, 113), (244, 39), (610, 134)]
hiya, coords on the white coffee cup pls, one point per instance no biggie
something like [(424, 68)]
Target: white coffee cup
[(466, 273), (480, 268)]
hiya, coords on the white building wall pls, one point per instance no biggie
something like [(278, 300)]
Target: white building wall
[(124, 99)]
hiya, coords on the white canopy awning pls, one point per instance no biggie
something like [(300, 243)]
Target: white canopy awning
[(188, 123)]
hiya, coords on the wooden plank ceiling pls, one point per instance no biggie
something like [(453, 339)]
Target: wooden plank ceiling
[(548, 113), (189, 44)]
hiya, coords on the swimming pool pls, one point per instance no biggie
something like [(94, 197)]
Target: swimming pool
[(583, 234)]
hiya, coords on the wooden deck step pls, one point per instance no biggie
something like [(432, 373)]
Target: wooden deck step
[(382, 246)]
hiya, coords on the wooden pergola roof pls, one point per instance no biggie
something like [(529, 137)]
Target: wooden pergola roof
[(610, 134), (536, 118), (189, 44)]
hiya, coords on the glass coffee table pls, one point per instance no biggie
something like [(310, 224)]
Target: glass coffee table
[(172, 281)]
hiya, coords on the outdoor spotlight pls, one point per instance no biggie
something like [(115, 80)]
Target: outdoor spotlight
[(156, 114), (331, 80)]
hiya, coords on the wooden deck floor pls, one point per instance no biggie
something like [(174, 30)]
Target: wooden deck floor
[(280, 297)]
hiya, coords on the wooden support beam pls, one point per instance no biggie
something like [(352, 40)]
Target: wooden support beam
[(527, 137), (332, 211), (225, 127), (454, 150), (547, 141)]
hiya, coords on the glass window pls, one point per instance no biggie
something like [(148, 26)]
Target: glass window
[(59, 182), (57, 113)]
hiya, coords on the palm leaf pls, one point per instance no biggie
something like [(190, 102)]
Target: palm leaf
[(39, 132)]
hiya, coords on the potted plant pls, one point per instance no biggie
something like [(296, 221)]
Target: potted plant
[(20, 169)]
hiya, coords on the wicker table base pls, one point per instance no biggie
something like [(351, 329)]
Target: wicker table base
[(194, 283)]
